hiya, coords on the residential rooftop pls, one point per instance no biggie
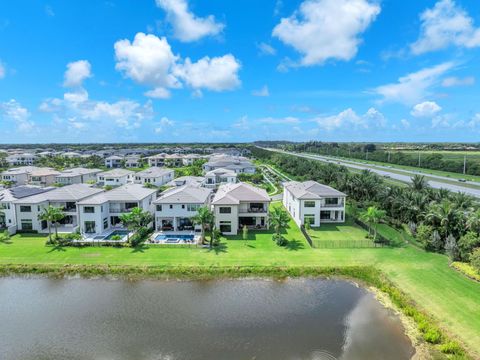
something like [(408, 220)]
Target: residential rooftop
[(128, 192), (184, 195), (116, 173), (72, 193), (78, 172), (311, 190), (153, 172), (23, 191), (233, 194)]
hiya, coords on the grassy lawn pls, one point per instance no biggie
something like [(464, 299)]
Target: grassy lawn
[(443, 292), (339, 235)]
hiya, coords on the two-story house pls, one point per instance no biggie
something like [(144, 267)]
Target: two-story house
[(77, 176), (238, 205), (313, 202), (133, 161), (220, 176), (114, 162), (42, 176), (24, 159), (115, 177), (154, 176), (18, 175), (187, 180), (8, 216), (101, 212), (156, 160), (175, 207), (28, 209)]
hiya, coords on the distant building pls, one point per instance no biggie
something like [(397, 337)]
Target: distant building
[(154, 176), (115, 177), (113, 162), (77, 176)]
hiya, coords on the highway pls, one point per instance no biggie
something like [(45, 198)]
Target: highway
[(439, 182)]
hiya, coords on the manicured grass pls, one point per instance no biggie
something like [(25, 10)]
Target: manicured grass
[(347, 234), (452, 298)]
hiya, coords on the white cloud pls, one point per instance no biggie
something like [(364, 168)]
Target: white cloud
[(327, 29), (162, 124), (76, 73), (414, 87), (187, 26), (350, 119), (149, 61), (242, 123), (444, 25), (49, 11), (266, 49), (217, 73), (426, 109), (405, 123), (261, 92), (14, 111), (280, 121), (2, 70), (456, 81)]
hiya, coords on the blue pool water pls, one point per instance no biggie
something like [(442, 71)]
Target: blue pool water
[(174, 238)]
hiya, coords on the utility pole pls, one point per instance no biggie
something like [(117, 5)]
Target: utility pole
[(464, 164), (419, 161)]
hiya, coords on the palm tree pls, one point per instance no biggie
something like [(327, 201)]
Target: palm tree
[(52, 215), (419, 183), (446, 217), (473, 221), (462, 201), (203, 218), (136, 219), (278, 218), (373, 216), (214, 236)]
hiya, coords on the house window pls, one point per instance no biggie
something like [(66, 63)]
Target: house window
[(159, 207), (225, 226), (183, 206), (26, 224), (309, 204), (193, 207), (331, 201), (89, 227), (171, 206), (310, 219), (25, 208), (88, 209), (105, 223), (225, 210), (324, 215)]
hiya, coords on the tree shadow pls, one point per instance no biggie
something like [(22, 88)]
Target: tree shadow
[(57, 247), (140, 248), (6, 241), (220, 248), (294, 245)]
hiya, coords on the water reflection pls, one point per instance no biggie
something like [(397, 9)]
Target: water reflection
[(247, 319)]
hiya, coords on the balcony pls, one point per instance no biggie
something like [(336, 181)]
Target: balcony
[(253, 209), (122, 208)]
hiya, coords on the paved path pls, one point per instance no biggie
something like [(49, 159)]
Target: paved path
[(386, 171)]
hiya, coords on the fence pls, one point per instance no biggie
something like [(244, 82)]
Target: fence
[(346, 244)]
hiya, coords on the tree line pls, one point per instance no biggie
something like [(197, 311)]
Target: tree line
[(442, 221)]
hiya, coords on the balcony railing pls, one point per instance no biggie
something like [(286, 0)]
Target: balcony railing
[(252, 210)]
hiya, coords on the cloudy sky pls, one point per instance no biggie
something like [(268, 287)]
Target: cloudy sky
[(215, 70)]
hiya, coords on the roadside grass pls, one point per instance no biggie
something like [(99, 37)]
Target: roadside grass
[(452, 299)]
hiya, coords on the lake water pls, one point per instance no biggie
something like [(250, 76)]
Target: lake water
[(302, 319)]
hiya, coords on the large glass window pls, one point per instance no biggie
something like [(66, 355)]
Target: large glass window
[(325, 215), (193, 207), (225, 226), (310, 219), (225, 210), (331, 201), (309, 203), (88, 209), (25, 208), (159, 207), (26, 224), (89, 227)]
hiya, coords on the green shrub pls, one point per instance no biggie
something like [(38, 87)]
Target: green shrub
[(280, 240), (451, 347), (432, 336), (475, 259), (116, 237)]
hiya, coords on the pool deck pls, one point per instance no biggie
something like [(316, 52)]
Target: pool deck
[(100, 238)]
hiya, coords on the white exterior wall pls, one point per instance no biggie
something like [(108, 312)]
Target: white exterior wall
[(174, 213), (42, 181), (18, 179), (33, 215), (101, 212), (8, 209), (232, 217), (157, 181), (114, 181), (293, 206)]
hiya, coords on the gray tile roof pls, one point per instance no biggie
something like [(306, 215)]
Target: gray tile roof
[(128, 192), (20, 192), (311, 190), (77, 172), (184, 195), (116, 173), (154, 172), (186, 180), (72, 193), (232, 194)]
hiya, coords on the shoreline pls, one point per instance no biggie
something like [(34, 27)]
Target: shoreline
[(427, 338)]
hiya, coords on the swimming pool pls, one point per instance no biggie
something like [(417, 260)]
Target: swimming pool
[(174, 238), (121, 233)]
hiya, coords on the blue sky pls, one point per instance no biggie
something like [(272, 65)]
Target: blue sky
[(213, 70)]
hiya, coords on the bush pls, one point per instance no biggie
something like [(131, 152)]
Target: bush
[(475, 259), (280, 240), (432, 336), (116, 237), (451, 347), (467, 243)]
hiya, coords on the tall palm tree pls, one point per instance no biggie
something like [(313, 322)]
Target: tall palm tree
[(473, 221), (278, 219), (52, 215), (419, 183), (136, 219), (445, 216), (461, 200), (203, 218), (373, 216)]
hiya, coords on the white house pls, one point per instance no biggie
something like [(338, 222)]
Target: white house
[(42, 176), (220, 176), (176, 207), (189, 159), (313, 202), (187, 180), (133, 161), (113, 162), (156, 160), (8, 217), (77, 176), (102, 211), (29, 208), (154, 176), (237, 164), (236, 205), (19, 175), (21, 159), (115, 177)]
